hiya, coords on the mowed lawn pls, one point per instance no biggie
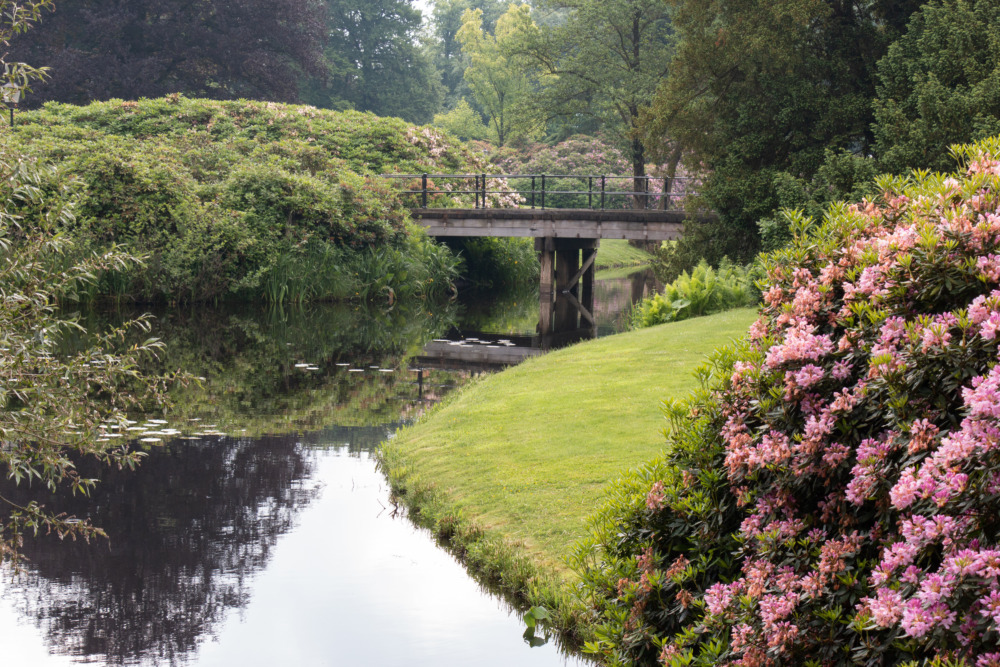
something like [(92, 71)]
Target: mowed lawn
[(618, 252), (526, 453)]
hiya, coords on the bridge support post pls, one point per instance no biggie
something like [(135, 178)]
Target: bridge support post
[(589, 255), (546, 258), (566, 288)]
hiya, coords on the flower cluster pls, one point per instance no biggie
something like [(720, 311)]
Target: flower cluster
[(857, 432)]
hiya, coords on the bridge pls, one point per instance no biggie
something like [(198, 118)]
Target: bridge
[(566, 214)]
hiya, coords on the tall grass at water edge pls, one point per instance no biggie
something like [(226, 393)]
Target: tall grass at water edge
[(378, 274)]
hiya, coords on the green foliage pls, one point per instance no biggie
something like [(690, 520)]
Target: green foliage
[(604, 60), (463, 121), (375, 61), (842, 177), (498, 262), (827, 497), (759, 88), (49, 417), (243, 199), (446, 22), (502, 82), (702, 291), (939, 85), (134, 49)]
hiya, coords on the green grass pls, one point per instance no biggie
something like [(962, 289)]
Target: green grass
[(523, 456), (617, 252)]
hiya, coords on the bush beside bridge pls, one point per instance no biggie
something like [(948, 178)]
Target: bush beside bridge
[(245, 199)]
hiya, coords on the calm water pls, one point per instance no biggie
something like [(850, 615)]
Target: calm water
[(259, 531)]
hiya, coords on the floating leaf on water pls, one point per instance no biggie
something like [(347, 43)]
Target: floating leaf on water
[(355, 370), (150, 440), (301, 365), (342, 363), (385, 370), (156, 421)]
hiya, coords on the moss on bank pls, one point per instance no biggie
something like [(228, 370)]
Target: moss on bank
[(510, 468)]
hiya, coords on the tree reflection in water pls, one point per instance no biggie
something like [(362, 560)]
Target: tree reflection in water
[(188, 530)]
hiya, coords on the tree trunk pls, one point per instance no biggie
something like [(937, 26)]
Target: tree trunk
[(668, 181), (638, 174)]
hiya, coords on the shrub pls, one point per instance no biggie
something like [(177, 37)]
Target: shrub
[(492, 262), (244, 199), (830, 497), (49, 418), (702, 291)]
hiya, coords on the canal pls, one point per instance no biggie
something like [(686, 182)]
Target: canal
[(258, 530)]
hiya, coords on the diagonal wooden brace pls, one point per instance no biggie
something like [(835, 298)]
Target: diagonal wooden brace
[(574, 281), (579, 306)]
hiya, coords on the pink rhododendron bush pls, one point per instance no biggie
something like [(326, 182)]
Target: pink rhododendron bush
[(831, 496)]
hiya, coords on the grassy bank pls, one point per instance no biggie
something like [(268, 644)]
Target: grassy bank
[(513, 465), (616, 253)]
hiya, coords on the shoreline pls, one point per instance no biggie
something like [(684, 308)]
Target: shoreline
[(507, 471)]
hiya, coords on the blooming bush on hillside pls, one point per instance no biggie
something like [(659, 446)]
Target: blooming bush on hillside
[(830, 497)]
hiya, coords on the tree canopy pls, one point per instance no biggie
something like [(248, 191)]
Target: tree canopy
[(503, 82), (939, 85), (760, 87), (605, 60), (375, 62), (100, 49)]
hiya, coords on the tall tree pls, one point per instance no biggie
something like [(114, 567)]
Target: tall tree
[(939, 85), (99, 49), (759, 87), (376, 62), (502, 81), (605, 58), (446, 21)]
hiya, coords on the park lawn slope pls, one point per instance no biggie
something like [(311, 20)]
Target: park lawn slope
[(615, 253), (524, 455)]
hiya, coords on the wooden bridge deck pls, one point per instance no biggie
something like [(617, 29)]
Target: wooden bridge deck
[(644, 225)]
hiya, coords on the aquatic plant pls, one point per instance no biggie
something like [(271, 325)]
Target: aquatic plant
[(829, 497)]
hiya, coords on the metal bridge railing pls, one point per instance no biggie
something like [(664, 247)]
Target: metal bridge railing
[(549, 190)]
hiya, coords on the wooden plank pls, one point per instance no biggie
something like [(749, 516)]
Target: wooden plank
[(653, 225), (652, 231)]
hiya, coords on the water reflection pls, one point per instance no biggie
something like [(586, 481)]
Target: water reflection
[(293, 370), (188, 531), (276, 541), (260, 551), (516, 314)]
